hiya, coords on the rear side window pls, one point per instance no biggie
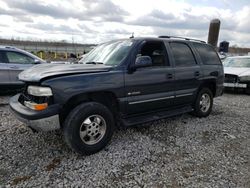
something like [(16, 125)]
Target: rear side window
[(183, 56), (207, 54)]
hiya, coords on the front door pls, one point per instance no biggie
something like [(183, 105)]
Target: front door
[(150, 88)]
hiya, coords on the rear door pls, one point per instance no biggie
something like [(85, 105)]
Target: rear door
[(212, 67), (150, 88), (4, 69), (17, 63), (187, 72)]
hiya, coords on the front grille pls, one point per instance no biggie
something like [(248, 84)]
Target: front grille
[(230, 78)]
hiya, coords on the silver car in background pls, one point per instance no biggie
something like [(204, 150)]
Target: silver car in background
[(12, 62), (237, 73)]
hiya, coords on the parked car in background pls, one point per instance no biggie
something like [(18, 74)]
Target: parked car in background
[(237, 73), (12, 62)]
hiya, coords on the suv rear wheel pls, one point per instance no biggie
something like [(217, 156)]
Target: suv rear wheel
[(88, 128), (204, 103)]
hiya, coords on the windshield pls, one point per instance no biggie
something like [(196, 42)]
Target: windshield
[(237, 62), (111, 53)]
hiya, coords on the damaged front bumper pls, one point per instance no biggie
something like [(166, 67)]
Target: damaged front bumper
[(45, 120)]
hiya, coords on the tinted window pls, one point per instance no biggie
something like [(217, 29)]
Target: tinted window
[(182, 54), (2, 57), (15, 57), (207, 54), (155, 50)]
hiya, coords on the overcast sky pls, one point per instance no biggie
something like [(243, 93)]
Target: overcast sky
[(95, 21)]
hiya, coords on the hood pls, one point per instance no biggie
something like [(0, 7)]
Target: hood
[(237, 71), (38, 72)]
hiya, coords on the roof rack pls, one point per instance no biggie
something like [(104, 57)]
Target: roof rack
[(176, 37), (8, 47)]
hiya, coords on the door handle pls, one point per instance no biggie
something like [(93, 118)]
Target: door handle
[(197, 73), (214, 73), (169, 76)]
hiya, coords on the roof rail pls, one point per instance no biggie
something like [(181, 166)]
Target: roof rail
[(176, 37), (9, 47)]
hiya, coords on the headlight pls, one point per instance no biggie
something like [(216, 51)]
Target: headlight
[(244, 78), (39, 91)]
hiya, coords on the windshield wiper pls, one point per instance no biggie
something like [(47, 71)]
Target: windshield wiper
[(94, 63)]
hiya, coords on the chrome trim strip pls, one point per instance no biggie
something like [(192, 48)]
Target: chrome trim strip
[(150, 100), (183, 95)]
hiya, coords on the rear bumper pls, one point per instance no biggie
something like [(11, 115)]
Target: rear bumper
[(45, 120)]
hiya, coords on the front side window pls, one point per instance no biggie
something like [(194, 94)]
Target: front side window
[(182, 54), (207, 54), (155, 50), (112, 53), (18, 58)]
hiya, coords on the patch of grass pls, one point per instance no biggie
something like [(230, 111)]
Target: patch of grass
[(54, 163), (19, 179)]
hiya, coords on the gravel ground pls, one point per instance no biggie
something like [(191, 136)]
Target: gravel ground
[(182, 151)]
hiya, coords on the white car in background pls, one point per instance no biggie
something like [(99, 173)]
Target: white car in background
[(237, 73)]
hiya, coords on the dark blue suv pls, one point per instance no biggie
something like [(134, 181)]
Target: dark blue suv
[(120, 83)]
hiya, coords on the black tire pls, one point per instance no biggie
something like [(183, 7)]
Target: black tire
[(75, 121), (199, 110), (248, 89)]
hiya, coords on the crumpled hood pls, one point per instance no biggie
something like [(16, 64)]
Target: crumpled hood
[(237, 71), (38, 72)]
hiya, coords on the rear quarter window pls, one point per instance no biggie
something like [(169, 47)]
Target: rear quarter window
[(207, 54)]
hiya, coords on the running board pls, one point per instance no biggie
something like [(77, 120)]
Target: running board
[(127, 122)]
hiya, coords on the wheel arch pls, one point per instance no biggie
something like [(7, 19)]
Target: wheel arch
[(107, 98), (210, 84)]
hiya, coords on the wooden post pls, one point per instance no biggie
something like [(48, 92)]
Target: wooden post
[(41, 55), (213, 33)]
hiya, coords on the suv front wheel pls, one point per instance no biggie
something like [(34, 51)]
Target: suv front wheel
[(88, 128), (203, 103)]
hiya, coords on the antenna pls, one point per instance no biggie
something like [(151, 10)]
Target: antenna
[(132, 36)]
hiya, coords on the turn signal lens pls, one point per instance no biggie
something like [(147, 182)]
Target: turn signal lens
[(35, 106), (39, 107)]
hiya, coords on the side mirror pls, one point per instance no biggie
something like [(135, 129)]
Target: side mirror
[(143, 61), (36, 61)]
